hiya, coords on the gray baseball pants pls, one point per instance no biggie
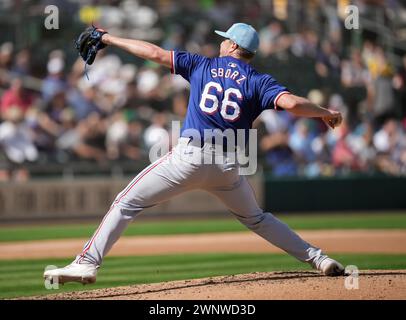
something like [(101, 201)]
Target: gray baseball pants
[(178, 171)]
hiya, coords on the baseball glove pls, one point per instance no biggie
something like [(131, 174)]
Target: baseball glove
[(89, 43)]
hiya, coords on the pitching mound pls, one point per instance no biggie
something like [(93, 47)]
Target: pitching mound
[(382, 284)]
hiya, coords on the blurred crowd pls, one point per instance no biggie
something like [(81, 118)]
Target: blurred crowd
[(126, 105)]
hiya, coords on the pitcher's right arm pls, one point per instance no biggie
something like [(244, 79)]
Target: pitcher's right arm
[(303, 107)]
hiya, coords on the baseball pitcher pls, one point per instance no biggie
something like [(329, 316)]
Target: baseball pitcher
[(226, 92)]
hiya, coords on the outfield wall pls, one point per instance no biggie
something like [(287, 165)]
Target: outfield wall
[(91, 198), (87, 198), (335, 194)]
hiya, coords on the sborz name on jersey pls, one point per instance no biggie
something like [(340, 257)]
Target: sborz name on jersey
[(223, 309), (228, 73)]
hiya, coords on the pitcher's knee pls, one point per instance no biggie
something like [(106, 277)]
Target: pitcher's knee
[(128, 208), (253, 221)]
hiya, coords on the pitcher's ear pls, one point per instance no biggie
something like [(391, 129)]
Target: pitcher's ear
[(233, 46)]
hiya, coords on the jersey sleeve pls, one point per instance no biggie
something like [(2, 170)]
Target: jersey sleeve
[(185, 63), (269, 93)]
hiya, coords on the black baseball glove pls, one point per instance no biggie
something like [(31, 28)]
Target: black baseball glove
[(89, 43)]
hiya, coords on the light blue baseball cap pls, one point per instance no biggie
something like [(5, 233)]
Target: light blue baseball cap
[(242, 34)]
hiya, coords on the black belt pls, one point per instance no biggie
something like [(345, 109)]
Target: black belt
[(200, 143)]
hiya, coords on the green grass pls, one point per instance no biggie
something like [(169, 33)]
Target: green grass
[(176, 226), (24, 278)]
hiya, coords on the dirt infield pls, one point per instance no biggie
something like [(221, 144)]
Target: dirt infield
[(332, 241), (273, 285)]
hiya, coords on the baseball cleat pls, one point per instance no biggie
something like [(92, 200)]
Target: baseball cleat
[(75, 272), (331, 268)]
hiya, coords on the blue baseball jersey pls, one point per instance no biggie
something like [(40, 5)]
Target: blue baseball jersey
[(225, 92)]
